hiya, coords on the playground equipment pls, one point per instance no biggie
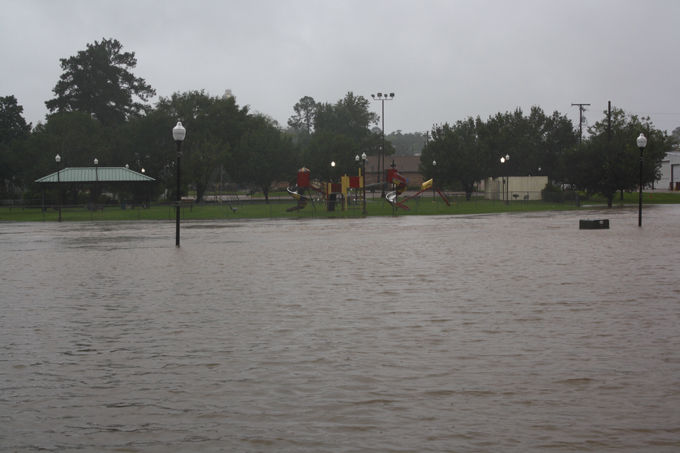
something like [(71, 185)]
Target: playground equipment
[(304, 186), (301, 199), (399, 183), (306, 189)]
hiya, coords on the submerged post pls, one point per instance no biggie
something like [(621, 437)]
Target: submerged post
[(178, 134), (363, 180), (57, 159), (641, 143)]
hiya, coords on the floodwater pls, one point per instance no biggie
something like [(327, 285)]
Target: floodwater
[(511, 332)]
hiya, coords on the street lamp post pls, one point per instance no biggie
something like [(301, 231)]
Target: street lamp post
[(178, 134), (363, 179), (434, 167), (357, 159), (331, 196), (362, 159), (641, 143), (95, 195), (57, 159), (382, 98), (506, 183)]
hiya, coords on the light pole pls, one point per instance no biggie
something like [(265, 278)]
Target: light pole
[(357, 159), (506, 184), (363, 178), (57, 159), (96, 184), (178, 134), (641, 144), (382, 98), (434, 169), (331, 195)]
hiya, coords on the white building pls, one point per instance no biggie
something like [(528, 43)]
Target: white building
[(515, 188), (670, 172)]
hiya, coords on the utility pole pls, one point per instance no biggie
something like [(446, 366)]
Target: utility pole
[(581, 109)]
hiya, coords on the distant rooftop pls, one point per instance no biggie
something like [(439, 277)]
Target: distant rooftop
[(405, 164)]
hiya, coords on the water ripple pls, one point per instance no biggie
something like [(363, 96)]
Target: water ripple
[(470, 333)]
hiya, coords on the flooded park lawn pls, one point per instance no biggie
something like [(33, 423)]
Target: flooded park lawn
[(503, 332)]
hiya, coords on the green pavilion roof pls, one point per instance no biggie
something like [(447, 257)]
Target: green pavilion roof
[(94, 174)]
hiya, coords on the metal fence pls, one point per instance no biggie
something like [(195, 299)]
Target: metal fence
[(279, 206)]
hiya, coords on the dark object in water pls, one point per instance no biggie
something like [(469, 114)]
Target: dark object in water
[(593, 224)]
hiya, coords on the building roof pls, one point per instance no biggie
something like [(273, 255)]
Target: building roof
[(94, 174), (405, 164)]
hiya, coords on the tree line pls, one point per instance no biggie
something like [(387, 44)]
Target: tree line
[(515, 144), (100, 110)]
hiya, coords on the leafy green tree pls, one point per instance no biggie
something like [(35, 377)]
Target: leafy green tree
[(341, 131), (470, 150), (327, 147), (461, 156), (303, 118), (146, 142), (436, 149), (263, 155), (470, 155), (609, 161), (535, 143), (557, 136), (75, 136), (512, 134), (349, 116), (214, 127), (406, 144), (13, 129), (12, 123), (99, 81)]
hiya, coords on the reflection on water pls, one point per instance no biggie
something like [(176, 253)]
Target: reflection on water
[(465, 333)]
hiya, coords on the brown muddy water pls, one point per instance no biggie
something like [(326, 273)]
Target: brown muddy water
[(411, 334)]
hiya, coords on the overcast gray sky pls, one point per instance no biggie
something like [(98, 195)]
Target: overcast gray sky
[(445, 60)]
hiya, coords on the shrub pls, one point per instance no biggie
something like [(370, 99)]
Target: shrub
[(552, 193)]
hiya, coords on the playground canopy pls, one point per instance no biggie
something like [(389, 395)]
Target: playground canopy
[(85, 175)]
